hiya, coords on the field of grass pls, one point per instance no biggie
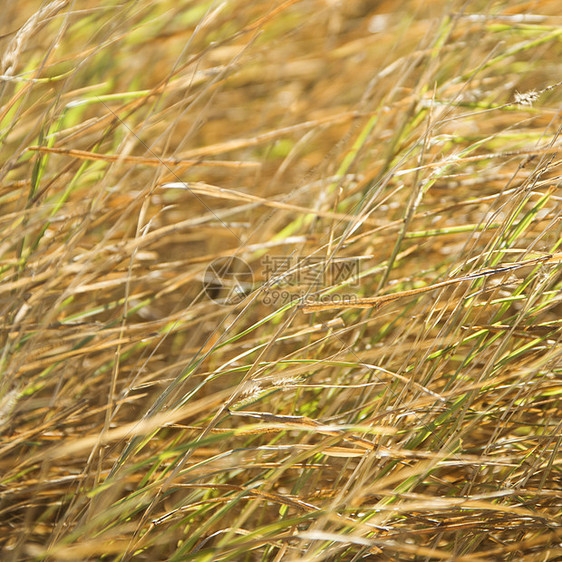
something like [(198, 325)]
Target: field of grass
[(280, 280)]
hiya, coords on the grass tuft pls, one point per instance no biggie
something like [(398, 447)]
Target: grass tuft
[(280, 281)]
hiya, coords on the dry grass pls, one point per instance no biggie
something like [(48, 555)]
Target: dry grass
[(406, 154)]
